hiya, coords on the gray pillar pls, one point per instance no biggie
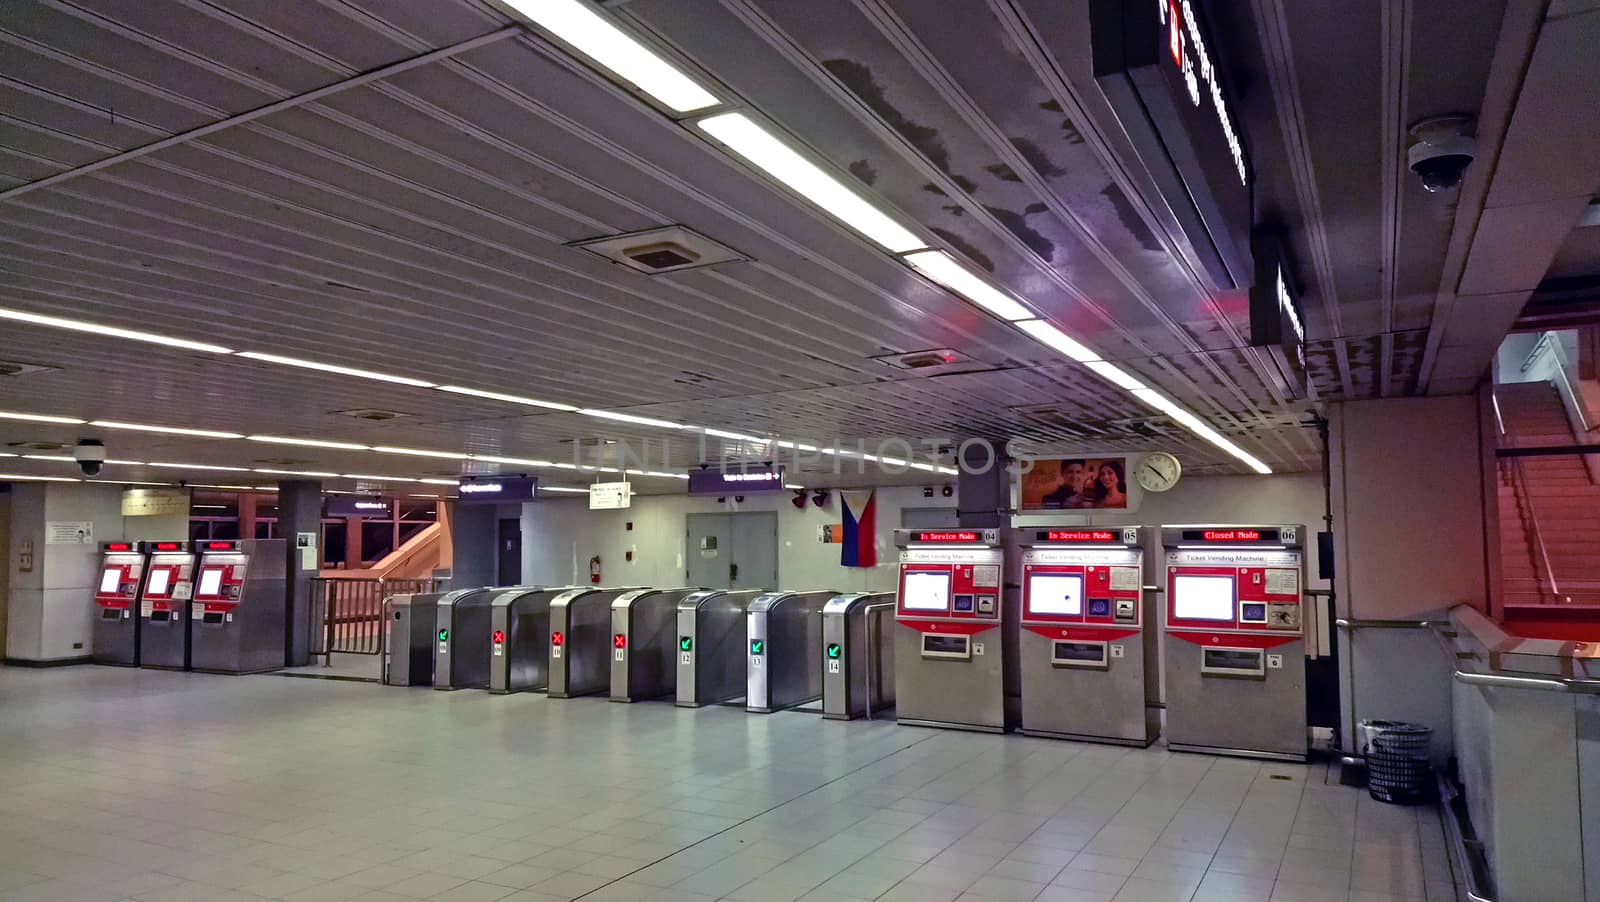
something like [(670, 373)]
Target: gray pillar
[(984, 487), (473, 531), (299, 511)]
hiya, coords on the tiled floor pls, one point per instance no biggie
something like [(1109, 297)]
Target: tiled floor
[(160, 787)]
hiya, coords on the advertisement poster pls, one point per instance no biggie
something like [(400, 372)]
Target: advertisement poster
[(1076, 483)]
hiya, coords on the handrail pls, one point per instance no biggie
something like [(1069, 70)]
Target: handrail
[(1520, 486), (1351, 623)]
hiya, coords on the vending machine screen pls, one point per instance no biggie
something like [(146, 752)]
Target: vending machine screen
[(210, 582), (926, 592), (110, 580), (160, 582), (1202, 597), (1055, 593)]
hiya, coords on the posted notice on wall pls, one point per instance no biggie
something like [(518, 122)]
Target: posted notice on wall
[(69, 532)]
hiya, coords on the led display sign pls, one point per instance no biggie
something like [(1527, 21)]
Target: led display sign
[(964, 536), (1231, 536), (1276, 322), (495, 489), (350, 506), (737, 481), (1077, 535)]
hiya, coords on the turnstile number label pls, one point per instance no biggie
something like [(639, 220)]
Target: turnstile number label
[(977, 648), (686, 658), (1274, 662), (621, 655), (833, 666)]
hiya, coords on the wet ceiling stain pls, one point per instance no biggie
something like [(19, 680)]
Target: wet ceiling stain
[(863, 170), (858, 78), (1037, 158), (1130, 218), (1070, 131), (1017, 223), (964, 246)]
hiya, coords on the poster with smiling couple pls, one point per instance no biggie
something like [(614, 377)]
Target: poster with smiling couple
[(1076, 483)]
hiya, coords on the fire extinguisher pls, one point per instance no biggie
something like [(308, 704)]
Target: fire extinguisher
[(594, 569)]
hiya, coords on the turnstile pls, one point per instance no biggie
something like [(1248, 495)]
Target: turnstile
[(644, 643), (784, 632), (164, 641), (580, 641), (115, 639), (462, 626), (237, 616), (1088, 652), (519, 640), (408, 647), (858, 656), (711, 646)]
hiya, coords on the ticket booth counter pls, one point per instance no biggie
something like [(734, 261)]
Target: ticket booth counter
[(1235, 642)]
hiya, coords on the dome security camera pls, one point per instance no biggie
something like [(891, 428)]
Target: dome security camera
[(90, 455), (1442, 151)]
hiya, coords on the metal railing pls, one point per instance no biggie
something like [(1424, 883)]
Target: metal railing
[(1519, 486), (350, 611)]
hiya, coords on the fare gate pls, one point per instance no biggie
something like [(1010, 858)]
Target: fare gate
[(784, 632), (644, 643), (711, 646), (519, 640), (858, 655), (408, 647), (580, 641), (461, 652)]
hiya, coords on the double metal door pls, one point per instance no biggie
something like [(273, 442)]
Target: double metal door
[(733, 551)]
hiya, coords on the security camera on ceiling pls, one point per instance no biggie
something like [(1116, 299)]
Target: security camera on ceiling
[(90, 455), (1442, 152)]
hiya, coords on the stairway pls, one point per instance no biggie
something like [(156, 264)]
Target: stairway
[(1558, 492)]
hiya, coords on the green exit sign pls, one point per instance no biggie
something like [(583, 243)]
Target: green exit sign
[(834, 649), (757, 646), (686, 643)]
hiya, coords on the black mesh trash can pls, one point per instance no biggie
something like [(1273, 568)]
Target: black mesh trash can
[(1399, 769)]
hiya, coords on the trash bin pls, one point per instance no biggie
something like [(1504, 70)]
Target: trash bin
[(1399, 769)]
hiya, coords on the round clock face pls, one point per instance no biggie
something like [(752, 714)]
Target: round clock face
[(1157, 471)]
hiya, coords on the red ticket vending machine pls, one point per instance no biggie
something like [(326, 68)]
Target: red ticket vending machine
[(954, 646), (1087, 656), (116, 597), (164, 606), (1235, 641), (237, 617)]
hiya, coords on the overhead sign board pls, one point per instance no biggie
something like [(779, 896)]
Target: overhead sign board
[(357, 506), (610, 496), (1277, 323), (1162, 77), (155, 503), (495, 489), (741, 480)]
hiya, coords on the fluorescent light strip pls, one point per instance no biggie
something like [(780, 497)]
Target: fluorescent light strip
[(942, 268), (69, 459), (173, 466), (40, 418), (510, 399), (597, 38), (165, 430), (1115, 375), (319, 475), (949, 471), (735, 436), (333, 368), (378, 478), (1200, 427), (18, 477), (1049, 335), (630, 418), (560, 488), (744, 137), (455, 482), (511, 461), (418, 452), (97, 329), (790, 485), (307, 442)]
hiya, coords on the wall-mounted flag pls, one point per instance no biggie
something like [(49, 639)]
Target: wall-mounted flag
[(860, 547)]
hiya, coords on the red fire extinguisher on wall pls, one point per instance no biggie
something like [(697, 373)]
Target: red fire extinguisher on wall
[(594, 569)]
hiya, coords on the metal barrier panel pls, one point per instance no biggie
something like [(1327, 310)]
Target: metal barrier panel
[(350, 610)]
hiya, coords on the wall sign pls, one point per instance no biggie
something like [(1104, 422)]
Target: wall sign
[(610, 496), (356, 506), (155, 503), (495, 489), (1276, 321), (740, 481), (69, 532), (1160, 75)]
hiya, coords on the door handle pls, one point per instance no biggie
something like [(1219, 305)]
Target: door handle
[(733, 572)]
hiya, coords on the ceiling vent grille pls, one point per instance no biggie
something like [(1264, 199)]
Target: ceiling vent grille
[(933, 362), (658, 251), (37, 446), (375, 414), (11, 368)]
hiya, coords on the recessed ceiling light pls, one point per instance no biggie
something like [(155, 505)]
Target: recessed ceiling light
[(418, 452), (1044, 333), (173, 466), (790, 485), (510, 399), (315, 473), (630, 418), (39, 418), (735, 436), (943, 268), (420, 495), (597, 38), (168, 430), (307, 442), (74, 325), (334, 368), (63, 458), (1115, 375), (744, 137), (129, 482), (19, 477), (1199, 427)]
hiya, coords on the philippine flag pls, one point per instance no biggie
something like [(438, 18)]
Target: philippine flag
[(860, 546)]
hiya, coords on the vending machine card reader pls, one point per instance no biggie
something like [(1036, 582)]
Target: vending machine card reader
[(1087, 656), (236, 616), (116, 599), (164, 606), (956, 628), (1235, 641)]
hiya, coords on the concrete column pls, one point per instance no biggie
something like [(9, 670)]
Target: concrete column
[(299, 511), (984, 487), (473, 532), (355, 556), (50, 607), (247, 514)]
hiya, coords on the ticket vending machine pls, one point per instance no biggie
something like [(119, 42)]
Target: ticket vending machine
[(1235, 641), (956, 631), (237, 617), (1086, 654), (116, 599), (164, 606)]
